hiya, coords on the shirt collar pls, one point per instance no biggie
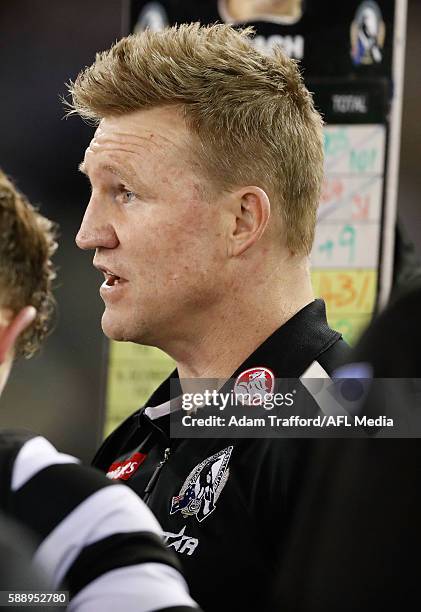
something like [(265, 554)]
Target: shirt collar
[(288, 352)]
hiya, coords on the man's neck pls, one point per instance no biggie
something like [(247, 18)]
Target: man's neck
[(223, 342)]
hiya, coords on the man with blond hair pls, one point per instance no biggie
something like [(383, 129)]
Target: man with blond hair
[(94, 539), (206, 168)]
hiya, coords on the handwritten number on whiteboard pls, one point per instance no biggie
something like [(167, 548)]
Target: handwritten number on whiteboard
[(347, 240)]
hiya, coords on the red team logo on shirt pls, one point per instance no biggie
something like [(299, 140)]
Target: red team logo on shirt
[(122, 470), (253, 385)]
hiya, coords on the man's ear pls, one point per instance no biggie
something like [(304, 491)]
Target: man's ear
[(10, 331), (252, 212)]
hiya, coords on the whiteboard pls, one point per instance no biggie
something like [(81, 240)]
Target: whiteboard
[(352, 257)]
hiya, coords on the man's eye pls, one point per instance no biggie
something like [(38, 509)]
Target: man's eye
[(127, 195)]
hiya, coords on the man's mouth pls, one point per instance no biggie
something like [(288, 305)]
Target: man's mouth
[(111, 279)]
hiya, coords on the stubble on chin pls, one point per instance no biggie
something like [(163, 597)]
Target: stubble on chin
[(110, 328), (115, 328)]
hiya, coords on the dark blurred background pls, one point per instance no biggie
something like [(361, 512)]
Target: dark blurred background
[(43, 44)]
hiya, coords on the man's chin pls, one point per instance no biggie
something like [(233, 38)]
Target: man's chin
[(120, 331), (113, 329)]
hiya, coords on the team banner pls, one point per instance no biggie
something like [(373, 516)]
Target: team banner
[(351, 55)]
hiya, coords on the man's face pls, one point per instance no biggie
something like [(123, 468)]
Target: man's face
[(152, 227)]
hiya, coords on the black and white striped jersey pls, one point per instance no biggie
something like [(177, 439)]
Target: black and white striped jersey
[(95, 538)]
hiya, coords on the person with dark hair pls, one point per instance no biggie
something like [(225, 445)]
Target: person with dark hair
[(92, 537), (359, 550)]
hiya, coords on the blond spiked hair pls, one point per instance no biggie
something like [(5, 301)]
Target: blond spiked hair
[(253, 118)]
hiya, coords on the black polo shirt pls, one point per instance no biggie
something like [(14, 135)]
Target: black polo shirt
[(225, 504)]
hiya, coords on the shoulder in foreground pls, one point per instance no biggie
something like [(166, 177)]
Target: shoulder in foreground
[(96, 538)]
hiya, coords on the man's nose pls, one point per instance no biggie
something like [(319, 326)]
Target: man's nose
[(95, 230)]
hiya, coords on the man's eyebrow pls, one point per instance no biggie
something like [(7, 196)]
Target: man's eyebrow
[(117, 172), (109, 167), (82, 168), (127, 178)]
